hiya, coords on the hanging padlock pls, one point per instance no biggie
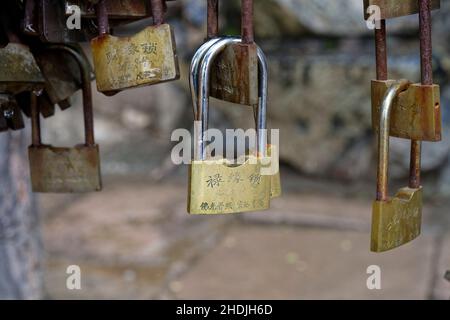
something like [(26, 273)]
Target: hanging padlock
[(416, 112), (149, 57), (410, 111), (197, 59), (218, 186), (11, 112), (397, 220), (235, 75), (64, 170), (18, 70), (61, 72)]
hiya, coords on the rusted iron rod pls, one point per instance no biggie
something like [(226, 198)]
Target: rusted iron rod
[(157, 12), (247, 22), (212, 19), (381, 51), (35, 121), (102, 17)]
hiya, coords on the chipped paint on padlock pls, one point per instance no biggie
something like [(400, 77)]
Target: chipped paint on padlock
[(19, 71), (416, 112), (395, 8)]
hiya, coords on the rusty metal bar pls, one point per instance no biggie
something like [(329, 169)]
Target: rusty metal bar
[(212, 30), (102, 17), (87, 93), (157, 11), (426, 66), (381, 51), (35, 121), (247, 32)]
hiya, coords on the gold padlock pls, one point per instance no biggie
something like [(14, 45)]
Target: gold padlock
[(275, 179), (65, 170), (147, 58), (218, 186), (397, 220)]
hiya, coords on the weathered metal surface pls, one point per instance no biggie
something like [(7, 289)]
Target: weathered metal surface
[(212, 21), (234, 77), (74, 169), (18, 70), (275, 180), (235, 73), (218, 187), (116, 9), (397, 8), (11, 112), (52, 24), (65, 170), (396, 221), (30, 23), (416, 112), (147, 58)]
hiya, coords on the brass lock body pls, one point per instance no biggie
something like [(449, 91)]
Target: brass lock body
[(395, 221), (66, 170), (275, 180), (219, 186), (234, 77), (416, 112), (147, 58), (395, 8)]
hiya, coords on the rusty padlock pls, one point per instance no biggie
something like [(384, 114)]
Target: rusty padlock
[(65, 170), (149, 57), (235, 75), (405, 110)]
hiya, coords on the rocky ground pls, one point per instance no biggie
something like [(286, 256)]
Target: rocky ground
[(135, 240)]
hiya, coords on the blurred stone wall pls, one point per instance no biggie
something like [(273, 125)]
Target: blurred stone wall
[(321, 59)]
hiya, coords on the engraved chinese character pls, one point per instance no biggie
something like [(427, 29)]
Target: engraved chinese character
[(255, 179), (214, 181), (235, 177), (149, 48), (204, 206)]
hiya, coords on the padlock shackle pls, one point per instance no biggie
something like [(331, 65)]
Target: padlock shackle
[(383, 137), (87, 92), (194, 69), (212, 19), (202, 113), (157, 12), (102, 17)]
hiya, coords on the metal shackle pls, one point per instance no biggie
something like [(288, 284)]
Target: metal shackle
[(202, 105), (383, 137), (87, 98)]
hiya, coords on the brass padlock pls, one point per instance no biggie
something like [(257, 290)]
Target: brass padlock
[(11, 112), (235, 74), (149, 57), (219, 186), (397, 220), (275, 179), (64, 170)]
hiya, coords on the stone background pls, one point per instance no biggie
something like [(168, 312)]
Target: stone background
[(321, 58), (135, 240)]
